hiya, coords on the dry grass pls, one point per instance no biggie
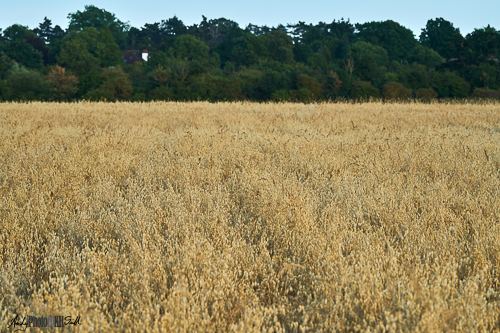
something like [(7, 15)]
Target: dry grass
[(197, 217)]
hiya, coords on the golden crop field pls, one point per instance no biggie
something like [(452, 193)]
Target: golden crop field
[(241, 217)]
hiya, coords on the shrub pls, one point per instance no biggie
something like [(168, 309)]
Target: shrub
[(305, 81), (394, 90), (282, 95), (364, 90), (116, 86), (486, 93), (449, 84), (302, 94), (426, 94), (25, 85), (138, 97), (163, 93)]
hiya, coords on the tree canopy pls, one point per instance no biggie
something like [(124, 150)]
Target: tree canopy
[(216, 59)]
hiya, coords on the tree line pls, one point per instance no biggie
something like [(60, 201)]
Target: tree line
[(217, 60)]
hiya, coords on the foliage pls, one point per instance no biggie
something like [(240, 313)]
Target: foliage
[(398, 41), (115, 86), (63, 86), (369, 61), (482, 45), (94, 17), (415, 76), (279, 46), (450, 85), (364, 91), (441, 36), (217, 60), (485, 93), (426, 94), (188, 47), (308, 88), (5, 64), (426, 56), (25, 85), (395, 91), (17, 47)]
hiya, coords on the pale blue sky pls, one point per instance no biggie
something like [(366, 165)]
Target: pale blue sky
[(412, 14)]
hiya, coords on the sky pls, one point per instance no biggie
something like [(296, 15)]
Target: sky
[(411, 14)]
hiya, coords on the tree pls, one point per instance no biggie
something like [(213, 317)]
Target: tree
[(482, 45), (441, 36), (190, 48), (426, 94), (216, 31), (5, 64), (426, 56), (251, 50), (397, 40), (48, 41), (94, 17), (76, 57), (364, 91), (157, 59), (369, 61), (63, 85), (299, 30), (88, 49), (308, 88), (395, 91), (44, 29), (279, 46), (84, 53), (17, 47), (341, 29), (273, 80), (483, 75), (450, 85), (173, 27), (116, 86), (25, 84), (415, 76)]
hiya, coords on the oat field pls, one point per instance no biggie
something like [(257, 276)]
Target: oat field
[(241, 217)]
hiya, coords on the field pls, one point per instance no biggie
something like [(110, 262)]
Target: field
[(241, 217)]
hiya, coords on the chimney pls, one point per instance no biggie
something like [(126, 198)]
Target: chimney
[(145, 55)]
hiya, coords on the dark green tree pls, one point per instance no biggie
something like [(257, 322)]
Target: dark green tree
[(369, 61), (173, 27), (251, 50), (441, 36), (45, 30), (5, 64), (17, 47), (190, 48), (76, 56), (426, 56), (115, 86), (398, 41), (450, 85), (415, 76), (279, 46), (83, 51), (482, 45), (51, 38), (363, 91), (94, 17), (26, 84)]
